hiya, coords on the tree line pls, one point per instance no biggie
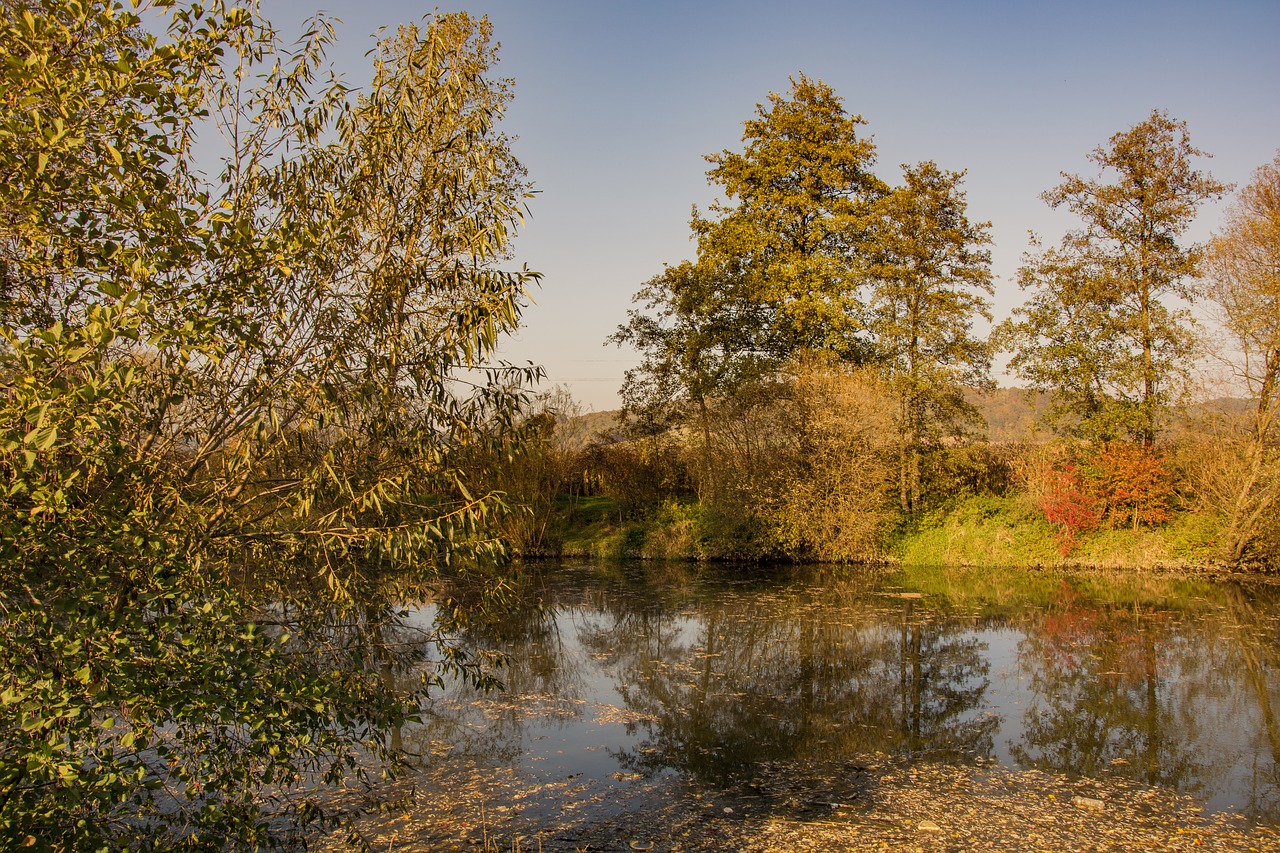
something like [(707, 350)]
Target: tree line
[(812, 360)]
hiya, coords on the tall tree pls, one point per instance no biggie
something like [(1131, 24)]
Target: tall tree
[(777, 269), (801, 205), (777, 262), (1244, 285), (931, 280), (1102, 331)]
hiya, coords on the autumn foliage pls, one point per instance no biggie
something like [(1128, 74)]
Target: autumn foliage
[(1069, 505), (1131, 483), (1112, 484)]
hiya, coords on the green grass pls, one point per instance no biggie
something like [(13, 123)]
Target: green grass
[(994, 531), (600, 527), (976, 531), (973, 532)]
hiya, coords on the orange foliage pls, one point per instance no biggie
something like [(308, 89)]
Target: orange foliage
[(1131, 482)]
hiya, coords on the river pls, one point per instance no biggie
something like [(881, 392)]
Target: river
[(624, 677)]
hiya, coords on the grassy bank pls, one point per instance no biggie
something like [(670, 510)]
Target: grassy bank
[(973, 531), (602, 527), (987, 531)]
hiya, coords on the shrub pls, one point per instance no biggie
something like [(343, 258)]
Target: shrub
[(833, 493), (1131, 483), (1068, 504)]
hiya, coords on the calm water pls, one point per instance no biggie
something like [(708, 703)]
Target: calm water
[(637, 673)]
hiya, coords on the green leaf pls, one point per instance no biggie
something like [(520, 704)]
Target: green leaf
[(42, 439)]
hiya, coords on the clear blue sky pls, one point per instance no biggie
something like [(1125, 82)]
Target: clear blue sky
[(616, 103)]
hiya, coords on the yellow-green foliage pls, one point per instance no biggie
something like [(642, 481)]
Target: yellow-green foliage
[(834, 489), (978, 531), (228, 403), (991, 531)]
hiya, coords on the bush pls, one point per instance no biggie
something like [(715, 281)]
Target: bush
[(1069, 505), (834, 490), (1234, 478), (1131, 483), (639, 474), (973, 469), (1081, 488)]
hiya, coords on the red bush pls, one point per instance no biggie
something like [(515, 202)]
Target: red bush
[(1069, 505)]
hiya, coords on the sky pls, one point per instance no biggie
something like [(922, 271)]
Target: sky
[(616, 104)]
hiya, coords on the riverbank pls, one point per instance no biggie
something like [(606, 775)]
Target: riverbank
[(976, 531), (875, 803)]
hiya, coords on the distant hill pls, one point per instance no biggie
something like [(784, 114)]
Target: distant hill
[(577, 431), (1012, 414)]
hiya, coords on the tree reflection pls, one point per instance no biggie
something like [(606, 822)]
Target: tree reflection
[(524, 661), (733, 684), (1106, 686), (1257, 632), (753, 679)]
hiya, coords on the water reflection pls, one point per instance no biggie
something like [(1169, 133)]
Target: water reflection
[(1111, 690), (718, 682), (1178, 699), (754, 678)]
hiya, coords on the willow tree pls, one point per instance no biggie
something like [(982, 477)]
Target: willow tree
[(227, 403), (1104, 331), (931, 279)]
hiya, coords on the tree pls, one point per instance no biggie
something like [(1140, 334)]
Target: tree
[(805, 194), (818, 256), (776, 273), (930, 275), (699, 339), (1100, 331), (777, 269), (230, 406), (1244, 286)]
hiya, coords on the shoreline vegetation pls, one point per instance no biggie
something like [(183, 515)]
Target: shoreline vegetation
[(252, 394), (973, 533), (587, 486), (958, 539)]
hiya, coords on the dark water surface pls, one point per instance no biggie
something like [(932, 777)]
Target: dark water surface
[(710, 677)]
